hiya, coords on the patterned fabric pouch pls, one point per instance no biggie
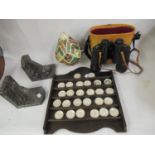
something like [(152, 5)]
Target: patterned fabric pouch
[(68, 50)]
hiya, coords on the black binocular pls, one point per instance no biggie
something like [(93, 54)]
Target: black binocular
[(117, 52)]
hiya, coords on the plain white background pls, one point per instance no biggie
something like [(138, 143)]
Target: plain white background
[(38, 38)]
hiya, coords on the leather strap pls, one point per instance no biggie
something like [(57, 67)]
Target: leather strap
[(87, 48), (136, 63)]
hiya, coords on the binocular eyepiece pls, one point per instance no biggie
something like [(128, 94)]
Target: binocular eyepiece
[(110, 50)]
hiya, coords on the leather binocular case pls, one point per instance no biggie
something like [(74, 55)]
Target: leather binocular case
[(110, 44)]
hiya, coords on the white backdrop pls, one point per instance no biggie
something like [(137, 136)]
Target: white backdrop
[(20, 36), (38, 38)]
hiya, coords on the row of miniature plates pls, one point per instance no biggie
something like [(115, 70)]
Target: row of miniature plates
[(81, 113), (80, 83), (89, 92), (86, 102)]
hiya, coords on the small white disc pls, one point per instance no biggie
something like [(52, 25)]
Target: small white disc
[(80, 113), (108, 100), (97, 82), (107, 81), (69, 84), (59, 114), (114, 112), (87, 83), (70, 114), (87, 101), (77, 75), (99, 101), (66, 103), (80, 92), (91, 75), (61, 85), (56, 103), (99, 91), (79, 83), (94, 113), (70, 92), (38, 95), (90, 92), (109, 91), (104, 112), (77, 102), (62, 93)]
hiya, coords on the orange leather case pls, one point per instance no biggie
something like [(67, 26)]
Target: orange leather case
[(111, 32)]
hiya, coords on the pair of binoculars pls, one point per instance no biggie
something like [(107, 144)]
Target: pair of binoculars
[(117, 52)]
